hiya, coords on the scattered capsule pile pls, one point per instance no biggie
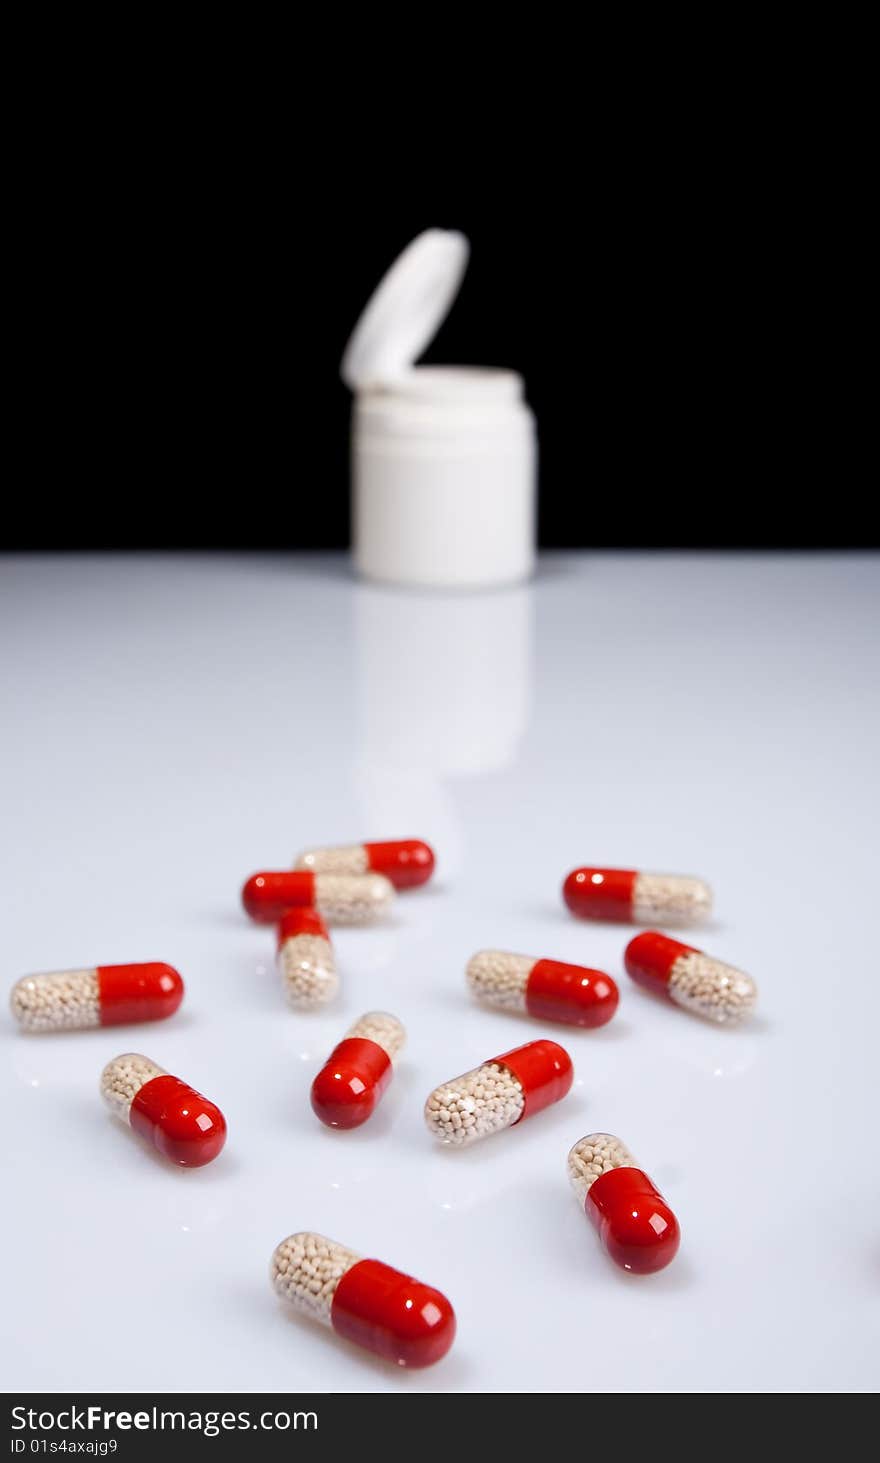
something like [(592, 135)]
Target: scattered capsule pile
[(401, 1319)]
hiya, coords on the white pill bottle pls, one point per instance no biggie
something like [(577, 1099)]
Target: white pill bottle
[(444, 458)]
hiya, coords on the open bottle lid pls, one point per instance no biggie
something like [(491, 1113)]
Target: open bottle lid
[(406, 309)]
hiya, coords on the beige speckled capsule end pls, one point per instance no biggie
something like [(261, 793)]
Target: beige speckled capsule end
[(474, 1105), (710, 988), (499, 978), (591, 1157), (306, 1269), (671, 899), (68, 1000), (123, 1078), (345, 859), (382, 1028), (353, 899), (308, 969)]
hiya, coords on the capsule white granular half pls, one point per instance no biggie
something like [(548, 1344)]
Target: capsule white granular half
[(306, 960)]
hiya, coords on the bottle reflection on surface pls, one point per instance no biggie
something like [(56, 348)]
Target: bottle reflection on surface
[(443, 690)]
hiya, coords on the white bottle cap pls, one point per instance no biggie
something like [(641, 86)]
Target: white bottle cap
[(406, 309)]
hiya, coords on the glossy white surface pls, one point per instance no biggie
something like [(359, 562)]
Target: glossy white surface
[(173, 724)]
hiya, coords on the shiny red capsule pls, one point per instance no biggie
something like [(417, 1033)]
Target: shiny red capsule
[(690, 978), (500, 1093), (549, 990), (357, 1073), (306, 959), (636, 1226), (107, 995), (182, 1125), (347, 899), (400, 1319), (629, 895), (408, 862)]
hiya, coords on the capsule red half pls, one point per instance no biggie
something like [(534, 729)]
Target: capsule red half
[(349, 1085), (267, 896), (183, 1125), (302, 921), (138, 992), (635, 1224), (407, 863), (571, 993), (549, 990), (356, 1075), (397, 1317), (544, 1069), (600, 893)]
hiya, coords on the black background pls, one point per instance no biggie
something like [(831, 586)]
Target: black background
[(178, 382)]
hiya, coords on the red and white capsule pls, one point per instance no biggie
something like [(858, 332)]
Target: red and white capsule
[(341, 899), (108, 995), (547, 989), (185, 1127), (399, 1318), (306, 960), (698, 982), (407, 862), (500, 1093), (635, 1224), (358, 1071), (626, 894)]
